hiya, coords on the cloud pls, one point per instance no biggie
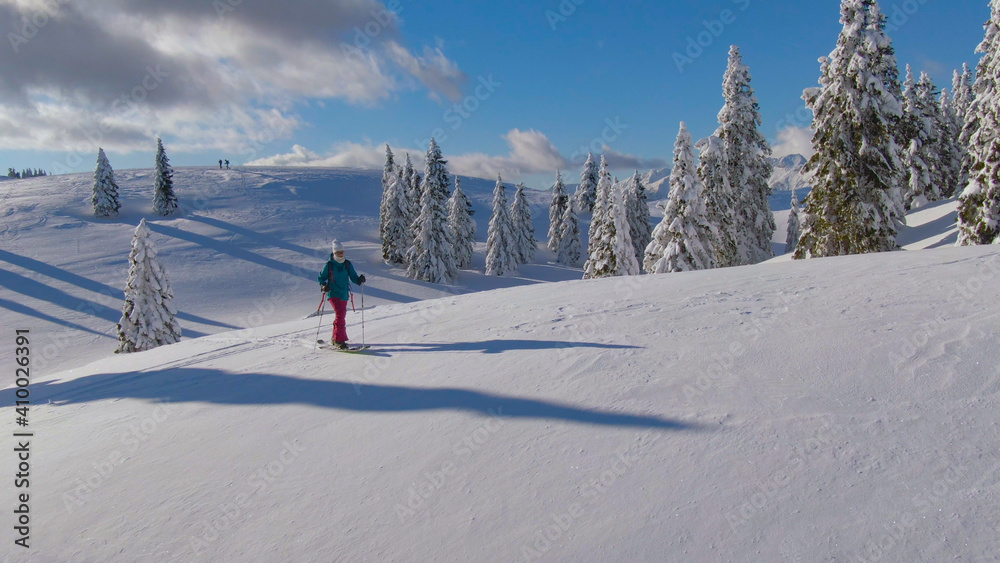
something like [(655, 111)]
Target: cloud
[(794, 140), (211, 74), (531, 152)]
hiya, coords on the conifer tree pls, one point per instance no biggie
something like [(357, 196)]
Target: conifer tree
[(501, 252), (962, 92), (411, 185), (720, 201), (586, 192), (164, 199), (569, 251), (431, 257), (602, 202), (949, 149), (923, 159), (794, 226), (396, 237), (148, 315), (463, 226), (637, 206), (105, 198), (557, 209), (388, 176), (612, 253), (683, 239), (854, 206), (525, 243), (979, 204), (748, 163)]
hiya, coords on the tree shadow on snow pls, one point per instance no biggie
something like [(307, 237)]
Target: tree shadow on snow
[(197, 385)]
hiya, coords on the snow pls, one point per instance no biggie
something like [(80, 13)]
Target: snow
[(830, 409)]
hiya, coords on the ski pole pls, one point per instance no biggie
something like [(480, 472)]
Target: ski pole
[(362, 315), (322, 305)]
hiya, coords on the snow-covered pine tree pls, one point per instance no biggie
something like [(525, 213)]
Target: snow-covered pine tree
[(963, 98), (557, 209), (524, 232), (602, 201), (412, 191), (148, 315), (794, 226), (885, 68), (961, 89), (388, 176), (164, 199), (748, 163), (501, 250), (979, 204), (612, 254), (105, 198), (949, 150), (720, 200), (431, 256), (586, 192), (683, 239), (637, 207), (854, 205), (463, 226), (569, 251), (923, 159), (397, 234)]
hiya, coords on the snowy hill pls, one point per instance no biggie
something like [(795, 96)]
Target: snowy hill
[(246, 251), (839, 409)]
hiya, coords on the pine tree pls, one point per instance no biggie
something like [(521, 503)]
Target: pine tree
[(794, 227), (979, 204), (388, 176), (524, 232), (962, 92), (748, 164), (586, 192), (105, 198), (557, 209), (854, 206), (612, 254), (602, 202), (683, 239), (396, 237), (164, 200), (411, 191), (923, 158), (431, 257), (148, 315), (463, 226), (949, 149), (501, 251), (637, 207), (720, 200), (569, 251)]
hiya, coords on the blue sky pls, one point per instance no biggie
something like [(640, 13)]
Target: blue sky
[(535, 82)]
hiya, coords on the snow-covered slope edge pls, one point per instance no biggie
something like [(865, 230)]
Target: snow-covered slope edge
[(831, 409)]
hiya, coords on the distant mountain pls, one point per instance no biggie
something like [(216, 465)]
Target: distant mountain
[(789, 173), (657, 180)]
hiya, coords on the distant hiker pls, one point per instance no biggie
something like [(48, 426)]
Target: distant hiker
[(220, 164), (335, 280), (227, 164)]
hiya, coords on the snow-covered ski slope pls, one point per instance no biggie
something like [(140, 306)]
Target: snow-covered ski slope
[(840, 409)]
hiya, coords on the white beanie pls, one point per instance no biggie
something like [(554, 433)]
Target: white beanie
[(337, 247)]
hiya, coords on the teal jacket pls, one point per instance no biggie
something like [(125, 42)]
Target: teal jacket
[(338, 276)]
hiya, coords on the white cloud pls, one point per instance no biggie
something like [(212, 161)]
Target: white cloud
[(531, 152), (794, 140), (214, 75)]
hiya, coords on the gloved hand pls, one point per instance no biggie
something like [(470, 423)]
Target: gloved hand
[(361, 279), (324, 288)]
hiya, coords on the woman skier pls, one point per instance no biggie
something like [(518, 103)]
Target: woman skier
[(335, 281)]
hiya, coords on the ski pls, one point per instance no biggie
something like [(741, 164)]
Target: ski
[(325, 345)]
